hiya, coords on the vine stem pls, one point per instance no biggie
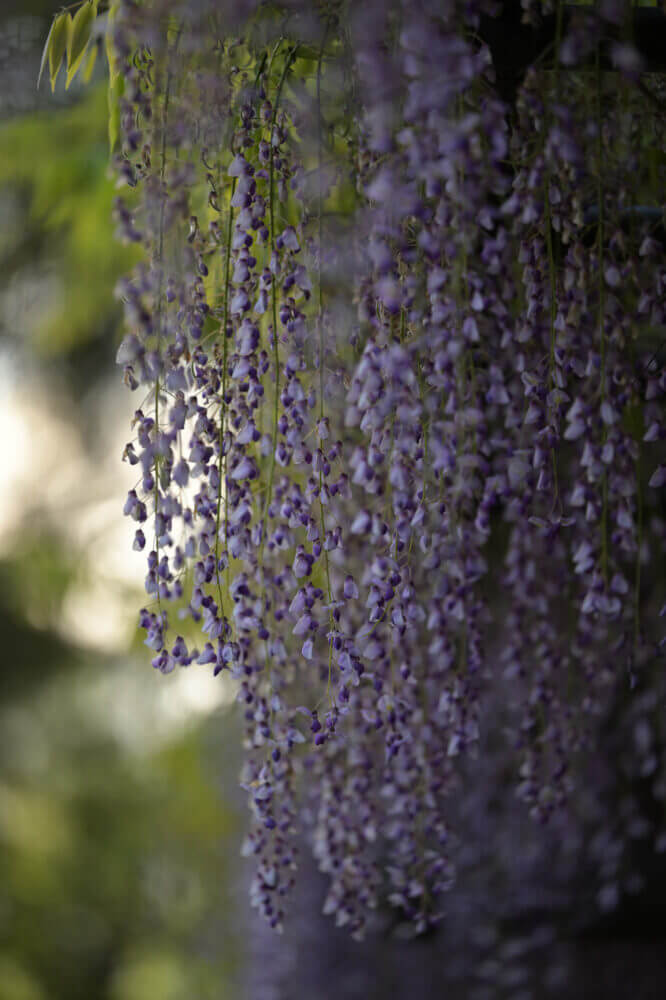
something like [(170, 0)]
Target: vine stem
[(552, 274), (276, 348), (639, 543), (160, 260), (221, 464), (222, 460), (602, 309), (320, 330)]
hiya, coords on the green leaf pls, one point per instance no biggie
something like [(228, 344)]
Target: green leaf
[(90, 63), (111, 53), (45, 53), (116, 90), (58, 45), (307, 52), (78, 36)]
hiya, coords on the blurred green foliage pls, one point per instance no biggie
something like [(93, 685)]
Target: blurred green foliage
[(33, 581), (118, 858), (54, 165), (114, 871)]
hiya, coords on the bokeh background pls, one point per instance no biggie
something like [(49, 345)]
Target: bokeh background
[(119, 815)]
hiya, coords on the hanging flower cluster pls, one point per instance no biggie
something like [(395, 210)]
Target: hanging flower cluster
[(397, 344)]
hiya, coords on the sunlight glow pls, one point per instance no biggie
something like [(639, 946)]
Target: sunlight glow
[(80, 491)]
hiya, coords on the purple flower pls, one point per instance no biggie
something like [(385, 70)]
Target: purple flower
[(414, 493), (658, 477), (181, 473)]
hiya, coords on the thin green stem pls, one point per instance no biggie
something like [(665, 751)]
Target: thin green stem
[(551, 277), (602, 309), (320, 329), (221, 462), (276, 348), (639, 542), (160, 262), (600, 232), (553, 312)]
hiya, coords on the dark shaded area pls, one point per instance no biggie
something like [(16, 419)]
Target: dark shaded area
[(515, 46), (539, 955)]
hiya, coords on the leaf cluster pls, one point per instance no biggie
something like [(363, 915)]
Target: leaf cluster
[(74, 41)]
